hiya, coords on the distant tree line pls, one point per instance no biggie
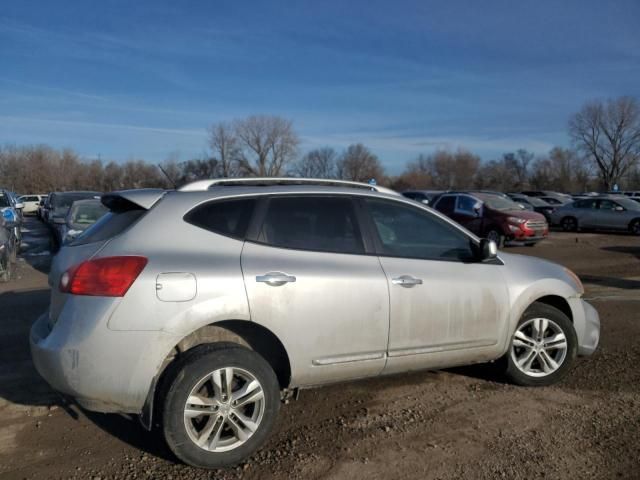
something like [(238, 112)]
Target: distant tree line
[(605, 151)]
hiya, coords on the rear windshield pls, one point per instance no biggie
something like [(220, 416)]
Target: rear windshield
[(108, 226)]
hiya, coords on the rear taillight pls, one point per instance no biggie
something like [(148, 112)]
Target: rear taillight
[(104, 277)]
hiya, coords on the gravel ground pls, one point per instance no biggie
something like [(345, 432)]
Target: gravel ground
[(463, 423)]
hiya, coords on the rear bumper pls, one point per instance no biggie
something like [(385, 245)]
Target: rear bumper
[(105, 371)]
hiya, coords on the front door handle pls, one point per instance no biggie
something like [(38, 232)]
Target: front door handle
[(275, 279), (406, 281)]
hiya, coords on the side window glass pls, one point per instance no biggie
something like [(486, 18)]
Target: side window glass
[(465, 204), (446, 204), (408, 232), (323, 223), (226, 217), (607, 205)]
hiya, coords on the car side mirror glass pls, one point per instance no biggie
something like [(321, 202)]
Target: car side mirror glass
[(488, 249), (618, 208), (477, 208)]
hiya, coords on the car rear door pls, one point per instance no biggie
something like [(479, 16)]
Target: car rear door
[(446, 307), (311, 279)]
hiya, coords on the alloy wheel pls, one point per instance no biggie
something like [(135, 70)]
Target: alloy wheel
[(224, 409), (539, 347)]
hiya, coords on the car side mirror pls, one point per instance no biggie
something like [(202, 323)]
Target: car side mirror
[(477, 208), (488, 249), (425, 201), (59, 220), (618, 208)]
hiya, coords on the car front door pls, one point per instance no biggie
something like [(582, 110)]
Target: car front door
[(447, 308), (608, 217), (311, 281)]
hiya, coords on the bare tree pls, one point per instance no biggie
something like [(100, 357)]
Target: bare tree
[(267, 144), (357, 163), (318, 163), (225, 147), (517, 166), (609, 133)]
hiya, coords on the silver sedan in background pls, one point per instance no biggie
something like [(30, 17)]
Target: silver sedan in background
[(605, 213)]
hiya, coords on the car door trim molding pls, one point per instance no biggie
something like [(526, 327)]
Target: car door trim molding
[(324, 361), (443, 347)]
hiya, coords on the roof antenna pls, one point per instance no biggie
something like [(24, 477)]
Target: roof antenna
[(171, 182)]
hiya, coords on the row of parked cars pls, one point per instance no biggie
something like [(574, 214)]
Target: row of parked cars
[(67, 214), (70, 213), (524, 217)]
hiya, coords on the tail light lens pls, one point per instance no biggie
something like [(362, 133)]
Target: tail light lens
[(104, 277)]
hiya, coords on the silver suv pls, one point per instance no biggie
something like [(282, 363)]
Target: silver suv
[(202, 309)]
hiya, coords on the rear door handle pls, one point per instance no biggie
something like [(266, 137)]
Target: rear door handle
[(406, 281), (275, 279)]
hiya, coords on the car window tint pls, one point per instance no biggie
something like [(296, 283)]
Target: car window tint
[(326, 224), (465, 204), (446, 204), (607, 205), (409, 232), (226, 217), (585, 204)]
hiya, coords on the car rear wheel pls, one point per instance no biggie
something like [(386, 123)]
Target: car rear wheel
[(542, 348), (635, 227), (220, 406), (569, 224), (496, 236)]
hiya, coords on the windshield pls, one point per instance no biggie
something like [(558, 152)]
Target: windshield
[(537, 202), (499, 203), (628, 203)]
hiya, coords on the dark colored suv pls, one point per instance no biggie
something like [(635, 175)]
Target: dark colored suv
[(494, 217)]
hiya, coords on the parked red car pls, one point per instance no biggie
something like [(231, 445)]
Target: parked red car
[(494, 217)]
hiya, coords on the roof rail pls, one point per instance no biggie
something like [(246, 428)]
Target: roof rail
[(202, 185)]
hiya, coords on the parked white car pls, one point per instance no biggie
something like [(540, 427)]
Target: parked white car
[(31, 203)]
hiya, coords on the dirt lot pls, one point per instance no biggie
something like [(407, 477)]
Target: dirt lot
[(459, 424)]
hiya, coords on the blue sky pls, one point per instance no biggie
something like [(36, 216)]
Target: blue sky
[(143, 79)]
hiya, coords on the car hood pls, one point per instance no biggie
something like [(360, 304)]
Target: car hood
[(526, 214), (523, 270)]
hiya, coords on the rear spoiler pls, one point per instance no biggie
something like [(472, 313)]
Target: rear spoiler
[(123, 200)]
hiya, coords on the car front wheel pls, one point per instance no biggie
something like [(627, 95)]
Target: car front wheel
[(220, 406), (543, 347), (635, 227)]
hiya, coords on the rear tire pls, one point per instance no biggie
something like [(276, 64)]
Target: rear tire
[(542, 348), (569, 224), (634, 227), (228, 432)]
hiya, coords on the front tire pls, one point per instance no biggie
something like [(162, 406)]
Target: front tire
[(542, 348), (634, 227), (221, 404)]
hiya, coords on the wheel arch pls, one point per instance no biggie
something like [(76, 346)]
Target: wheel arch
[(241, 332)]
